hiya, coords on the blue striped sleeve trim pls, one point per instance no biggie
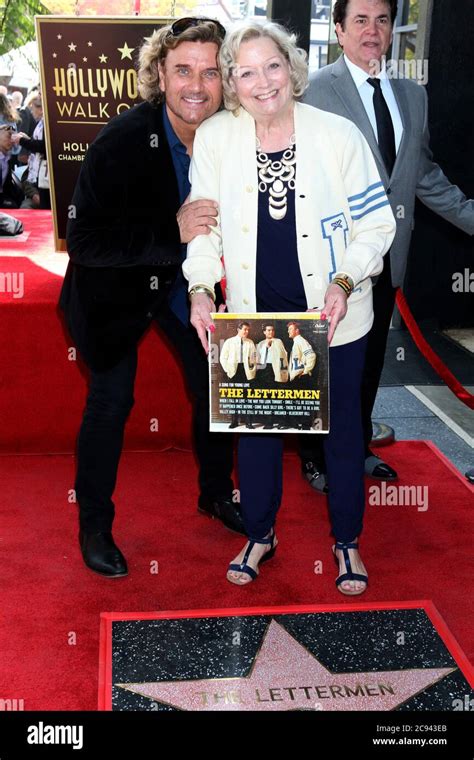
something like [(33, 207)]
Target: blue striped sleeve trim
[(368, 200), (362, 195), (369, 210)]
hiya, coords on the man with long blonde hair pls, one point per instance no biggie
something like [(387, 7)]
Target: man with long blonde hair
[(126, 244)]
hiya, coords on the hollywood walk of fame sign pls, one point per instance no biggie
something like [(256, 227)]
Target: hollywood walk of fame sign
[(372, 660), (88, 75)]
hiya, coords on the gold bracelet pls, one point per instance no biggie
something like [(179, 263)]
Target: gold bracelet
[(202, 289), (345, 282), (343, 286)]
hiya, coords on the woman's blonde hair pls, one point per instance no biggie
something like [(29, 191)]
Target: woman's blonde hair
[(155, 49), (8, 111), (31, 95), (286, 43)]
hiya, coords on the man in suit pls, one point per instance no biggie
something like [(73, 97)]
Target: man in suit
[(272, 359), (302, 363), (272, 364), (238, 359), (302, 357), (126, 243), (238, 355), (392, 114)]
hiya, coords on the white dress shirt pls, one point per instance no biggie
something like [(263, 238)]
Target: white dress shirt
[(366, 92), (265, 354)]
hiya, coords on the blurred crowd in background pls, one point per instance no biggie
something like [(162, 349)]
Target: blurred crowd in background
[(24, 168)]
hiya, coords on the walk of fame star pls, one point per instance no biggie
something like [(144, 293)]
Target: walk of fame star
[(286, 676)]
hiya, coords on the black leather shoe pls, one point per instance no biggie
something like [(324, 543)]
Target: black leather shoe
[(378, 469), (102, 555), (315, 477), (225, 510)]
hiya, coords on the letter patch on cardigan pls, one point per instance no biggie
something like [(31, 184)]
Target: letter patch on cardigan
[(332, 226)]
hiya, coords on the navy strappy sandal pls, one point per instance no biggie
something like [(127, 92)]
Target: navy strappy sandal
[(244, 568), (349, 575)]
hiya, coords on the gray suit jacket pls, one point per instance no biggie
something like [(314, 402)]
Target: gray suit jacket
[(415, 174)]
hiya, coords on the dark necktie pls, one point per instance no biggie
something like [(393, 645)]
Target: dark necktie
[(385, 129)]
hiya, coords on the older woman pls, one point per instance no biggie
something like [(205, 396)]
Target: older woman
[(304, 223)]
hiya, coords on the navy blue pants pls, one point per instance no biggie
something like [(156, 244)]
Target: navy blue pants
[(261, 456)]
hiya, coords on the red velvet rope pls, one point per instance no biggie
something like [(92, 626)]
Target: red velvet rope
[(439, 367)]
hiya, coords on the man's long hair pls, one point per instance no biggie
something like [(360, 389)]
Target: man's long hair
[(155, 49)]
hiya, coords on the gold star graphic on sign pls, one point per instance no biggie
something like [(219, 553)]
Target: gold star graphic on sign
[(72, 47), (103, 58), (126, 51), (286, 676), (84, 59), (60, 36), (55, 55), (89, 44)]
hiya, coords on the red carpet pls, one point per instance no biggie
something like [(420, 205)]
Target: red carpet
[(42, 392), (51, 602)]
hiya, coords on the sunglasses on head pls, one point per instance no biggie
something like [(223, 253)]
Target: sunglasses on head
[(180, 26)]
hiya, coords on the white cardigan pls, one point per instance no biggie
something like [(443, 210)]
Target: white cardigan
[(343, 218), (279, 359), (230, 356)]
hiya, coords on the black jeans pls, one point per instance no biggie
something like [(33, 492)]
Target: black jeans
[(109, 402), (383, 294)]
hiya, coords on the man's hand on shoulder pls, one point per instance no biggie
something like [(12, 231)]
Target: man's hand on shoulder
[(196, 218)]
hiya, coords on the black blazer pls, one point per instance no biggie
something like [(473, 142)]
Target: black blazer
[(122, 232)]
